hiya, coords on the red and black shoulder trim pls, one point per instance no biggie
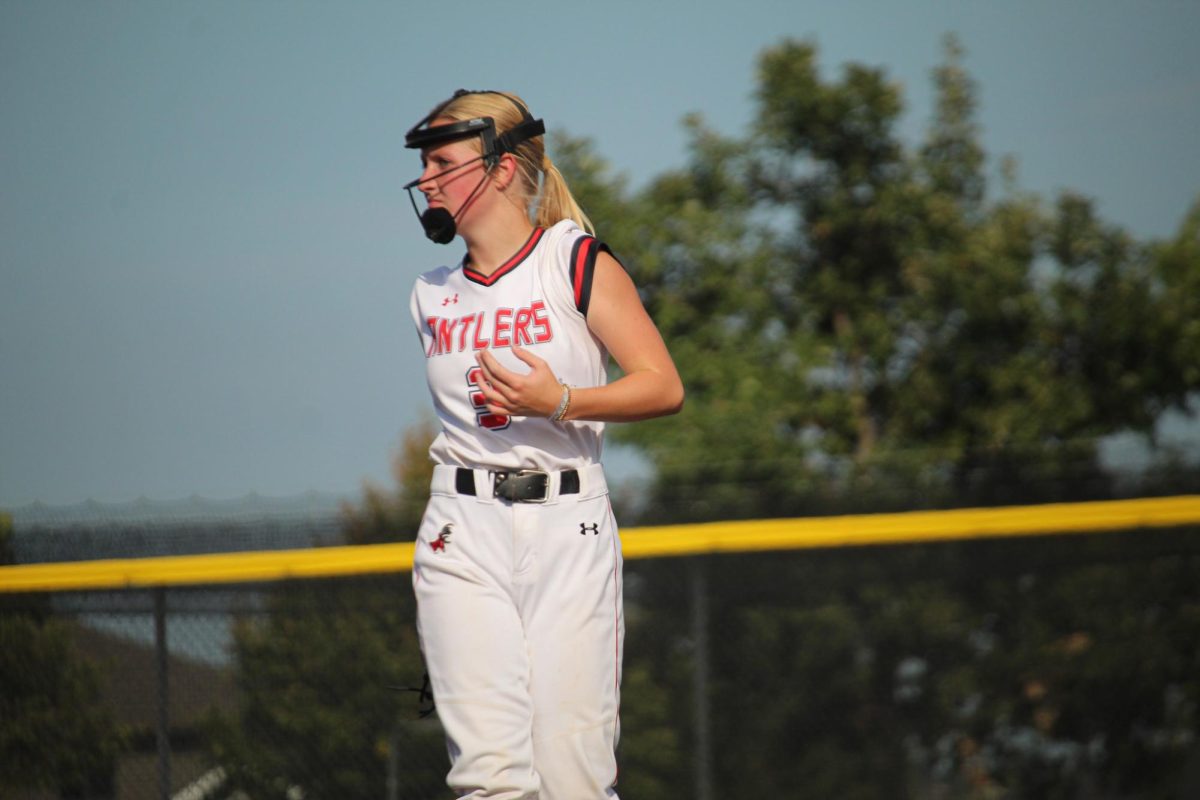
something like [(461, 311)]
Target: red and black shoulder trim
[(507, 266), (583, 267)]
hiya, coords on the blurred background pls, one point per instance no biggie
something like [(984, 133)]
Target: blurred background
[(908, 258)]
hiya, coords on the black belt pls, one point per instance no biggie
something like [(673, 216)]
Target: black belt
[(519, 486)]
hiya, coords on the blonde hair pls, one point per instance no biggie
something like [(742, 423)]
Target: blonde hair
[(554, 202)]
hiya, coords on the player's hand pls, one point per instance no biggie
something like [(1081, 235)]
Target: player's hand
[(532, 394)]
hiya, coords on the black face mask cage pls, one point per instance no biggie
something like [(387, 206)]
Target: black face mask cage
[(440, 224)]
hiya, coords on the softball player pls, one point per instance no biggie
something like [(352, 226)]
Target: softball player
[(517, 570)]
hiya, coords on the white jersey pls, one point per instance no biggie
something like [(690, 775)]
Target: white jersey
[(538, 299)]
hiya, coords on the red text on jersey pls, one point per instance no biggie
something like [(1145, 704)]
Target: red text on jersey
[(508, 327)]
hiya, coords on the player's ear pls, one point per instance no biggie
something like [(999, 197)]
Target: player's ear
[(506, 171)]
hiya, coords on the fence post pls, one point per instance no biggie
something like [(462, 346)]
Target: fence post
[(392, 786), (700, 693), (163, 733)]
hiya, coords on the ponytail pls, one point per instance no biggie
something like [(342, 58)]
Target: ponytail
[(556, 202)]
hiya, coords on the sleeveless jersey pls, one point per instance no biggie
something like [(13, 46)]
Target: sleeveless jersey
[(538, 299)]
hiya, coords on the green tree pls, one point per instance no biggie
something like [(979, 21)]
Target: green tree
[(322, 674), (56, 732), (861, 324), (1175, 285)]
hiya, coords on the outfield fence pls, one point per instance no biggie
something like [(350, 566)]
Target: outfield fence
[(1049, 650)]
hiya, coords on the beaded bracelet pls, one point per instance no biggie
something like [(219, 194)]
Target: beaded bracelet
[(563, 404)]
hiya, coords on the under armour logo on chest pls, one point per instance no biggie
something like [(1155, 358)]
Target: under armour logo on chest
[(585, 529)]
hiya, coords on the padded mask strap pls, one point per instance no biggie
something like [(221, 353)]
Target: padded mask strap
[(507, 142)]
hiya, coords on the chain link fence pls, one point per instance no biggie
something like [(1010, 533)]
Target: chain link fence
[(1055, 666)]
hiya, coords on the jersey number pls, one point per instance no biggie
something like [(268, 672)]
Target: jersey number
[(486, 419)]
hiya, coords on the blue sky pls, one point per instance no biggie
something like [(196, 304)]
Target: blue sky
[(205, 252)]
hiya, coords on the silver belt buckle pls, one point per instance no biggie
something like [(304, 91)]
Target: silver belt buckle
[(502, 478)]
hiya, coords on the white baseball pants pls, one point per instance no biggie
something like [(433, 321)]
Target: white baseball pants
[(519, 611)]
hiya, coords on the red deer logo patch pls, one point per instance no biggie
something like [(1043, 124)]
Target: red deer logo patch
[(443, 537)]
